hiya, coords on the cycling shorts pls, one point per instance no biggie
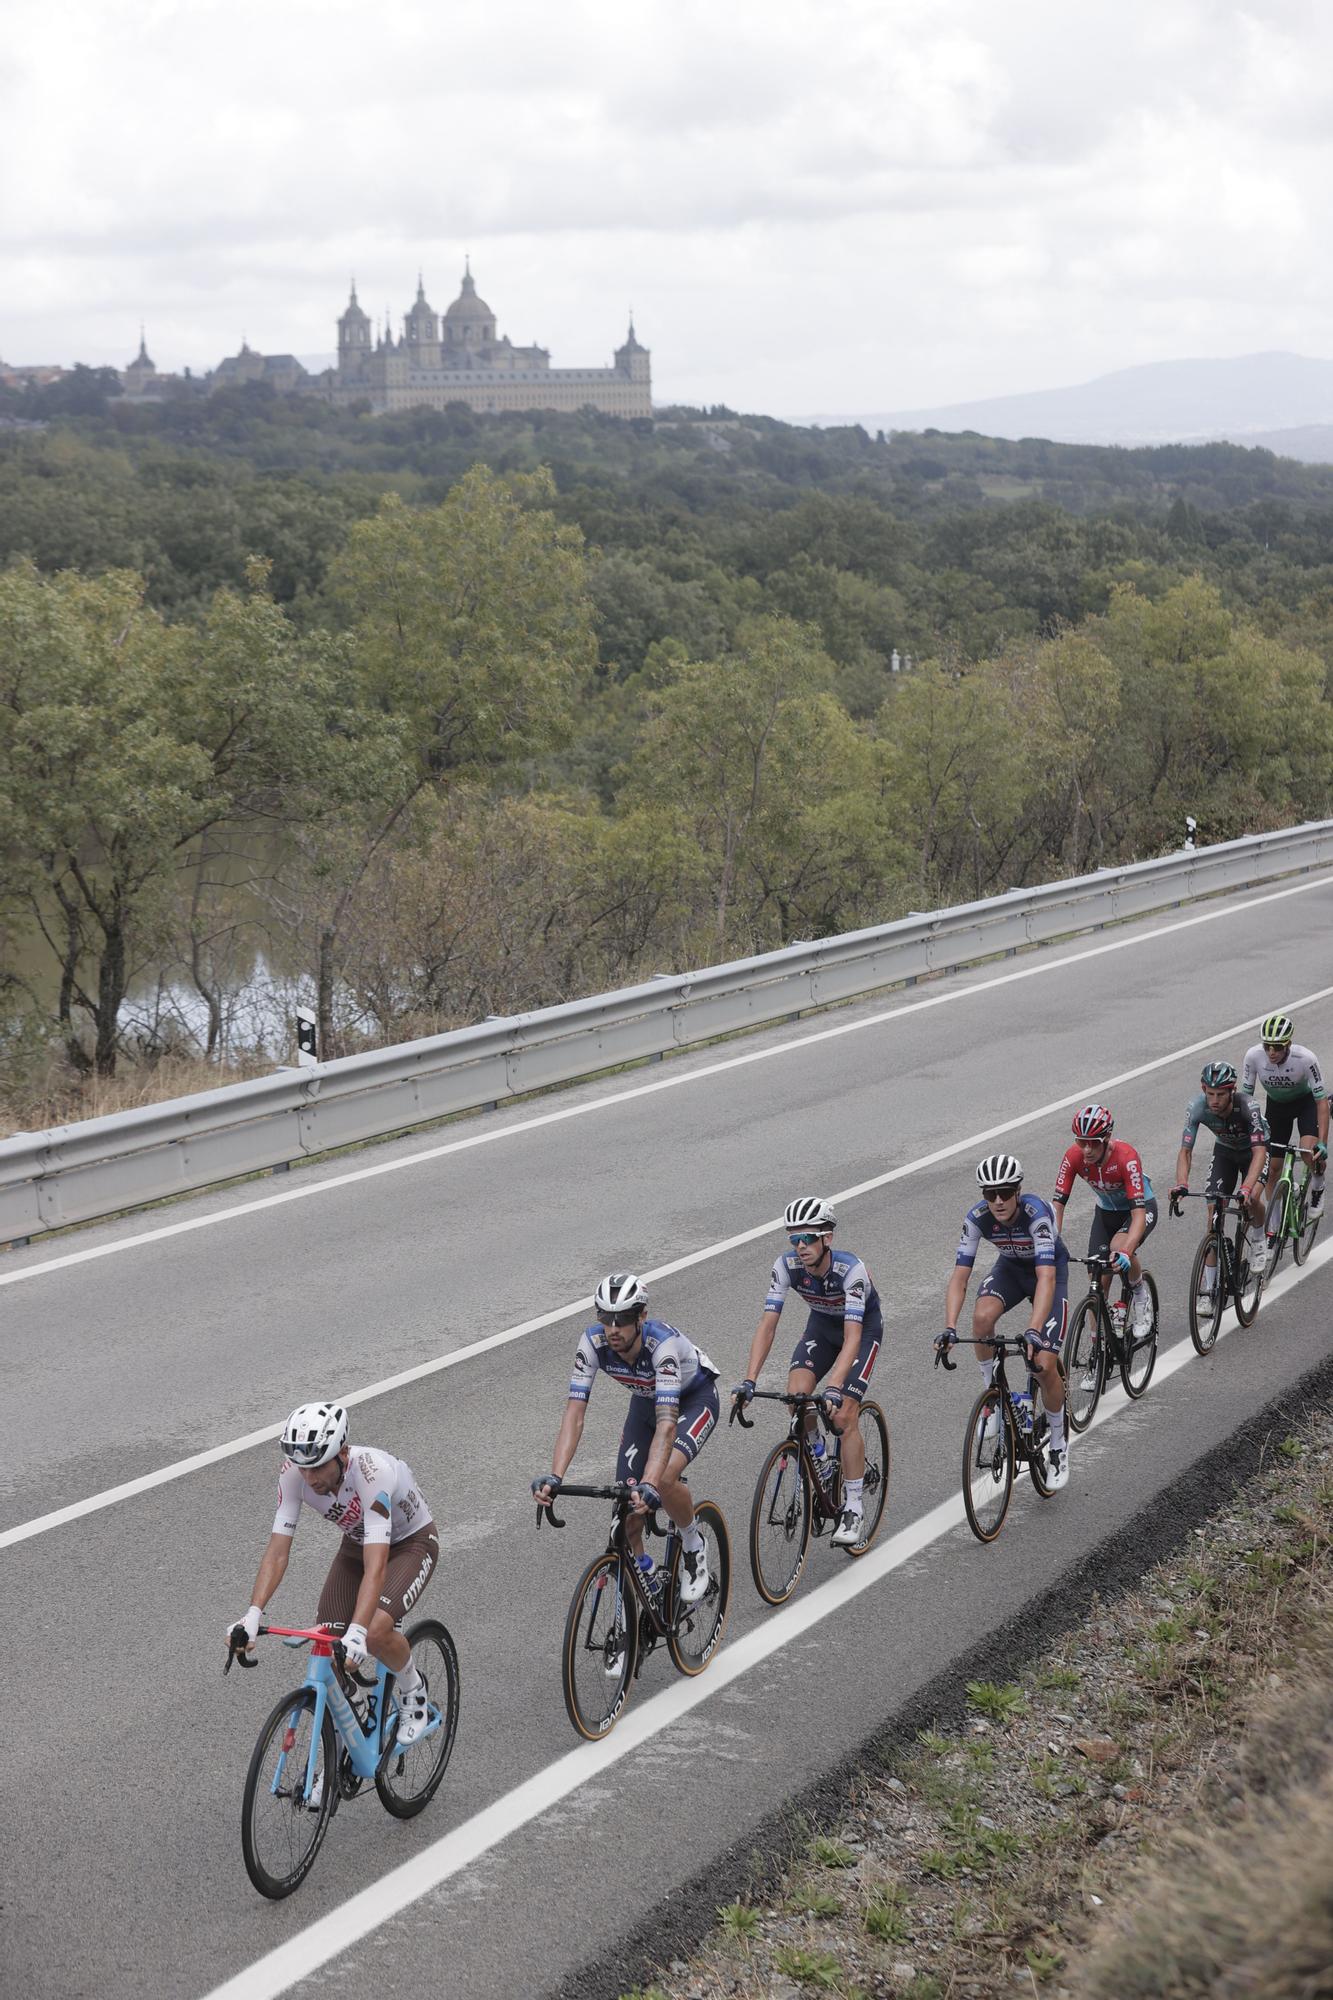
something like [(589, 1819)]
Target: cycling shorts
[(1011, 1281), (1109, 1222), (1301, 1112), (411, 1563), (1225, 1169), (821, 1344), (694, 1426)]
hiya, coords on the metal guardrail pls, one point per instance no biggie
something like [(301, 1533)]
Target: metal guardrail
[(73, 1173)]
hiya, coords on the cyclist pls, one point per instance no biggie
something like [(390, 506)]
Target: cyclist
[(388, 1551), (843, 1335), (1126, 1205), (1032, 1264), (673, 1409), (1293, 1095), (1241, 1150)]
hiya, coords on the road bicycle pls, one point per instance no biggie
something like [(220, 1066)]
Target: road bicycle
[(1288, 1218), (618, 1615), (1006, 1428), (1101, 1337), (1235, 1279), (331, 1738), (797, 1495)]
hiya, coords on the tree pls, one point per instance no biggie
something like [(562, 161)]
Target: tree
[(123, 742), (471, 628)]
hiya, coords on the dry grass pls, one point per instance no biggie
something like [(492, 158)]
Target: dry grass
[(59, 1096), (1148, 1815)]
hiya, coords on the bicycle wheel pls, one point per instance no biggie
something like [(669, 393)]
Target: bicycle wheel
[(1206, 1303), (1084, 1358), (988, 1466), (1248, 1280), (280, 1832), (1275, 1226), (1307, 1225), (875, 1437), (695, 1631), (601, 1647), (780, 1523), (408, 1776), (1138, 1354)]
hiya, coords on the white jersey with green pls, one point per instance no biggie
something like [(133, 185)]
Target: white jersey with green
[(1297, 1075)]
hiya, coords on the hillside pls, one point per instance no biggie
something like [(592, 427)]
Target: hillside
[(1241, 399)]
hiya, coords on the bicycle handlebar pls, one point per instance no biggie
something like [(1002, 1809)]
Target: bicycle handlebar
[(1175, 1198), (622, 1491), (774, 1396), (323, 1641)]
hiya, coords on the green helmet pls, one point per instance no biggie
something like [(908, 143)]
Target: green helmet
[(1277, 1028)]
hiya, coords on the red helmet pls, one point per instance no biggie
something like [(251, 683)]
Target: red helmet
[(1094, 1121)]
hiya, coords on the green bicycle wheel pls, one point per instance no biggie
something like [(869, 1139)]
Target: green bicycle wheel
[(1277, 1223)]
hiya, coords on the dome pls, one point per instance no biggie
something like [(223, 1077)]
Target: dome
[(467, 305)]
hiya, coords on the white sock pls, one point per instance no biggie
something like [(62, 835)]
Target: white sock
[(691, 1539), (851, 1492), (987, 1372), (1140, 1290), (1056, 1420), (410, 1678)]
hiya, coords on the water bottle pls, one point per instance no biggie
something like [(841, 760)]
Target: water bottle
[(1118, 1318), (1023, 1409)]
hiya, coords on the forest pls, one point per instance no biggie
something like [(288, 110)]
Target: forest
[(425, 717)]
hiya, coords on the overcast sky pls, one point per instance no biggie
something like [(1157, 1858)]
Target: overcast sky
[(813, 205)]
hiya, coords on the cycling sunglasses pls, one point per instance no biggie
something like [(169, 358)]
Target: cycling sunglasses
[(1001, 1194), (620, 1319), (1277, 1047), (806, 1236)]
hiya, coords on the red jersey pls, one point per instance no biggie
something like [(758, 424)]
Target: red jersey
[(1117, 1180)]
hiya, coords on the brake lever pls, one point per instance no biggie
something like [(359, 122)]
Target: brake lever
[(942, 1360), (738, 1416), (548, 1508)]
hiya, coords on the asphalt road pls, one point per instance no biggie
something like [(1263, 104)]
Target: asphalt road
[(139, 1344)]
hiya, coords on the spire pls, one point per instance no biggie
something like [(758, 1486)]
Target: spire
[(421, 289), (143, 355)]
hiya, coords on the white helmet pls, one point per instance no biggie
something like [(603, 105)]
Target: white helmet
[(809, 1211), (315, 1433), (999, 1170), (620, 1292)]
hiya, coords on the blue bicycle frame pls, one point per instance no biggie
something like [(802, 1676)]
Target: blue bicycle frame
[(366, 1743)]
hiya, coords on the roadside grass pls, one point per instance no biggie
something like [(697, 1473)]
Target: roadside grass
[(1146, 1813)]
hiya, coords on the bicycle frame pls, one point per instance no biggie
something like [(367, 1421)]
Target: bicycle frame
[(1028, 1442), (1219, 1209), (618, 1544), (800, 1436), (364, 1742)]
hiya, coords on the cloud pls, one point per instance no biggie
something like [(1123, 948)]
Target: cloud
[(811, 206)]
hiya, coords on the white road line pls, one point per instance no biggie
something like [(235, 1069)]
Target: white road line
[(493, 1135), (366, 1912), (42, 1523)]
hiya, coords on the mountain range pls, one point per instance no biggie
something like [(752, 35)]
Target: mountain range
[(1281, 401)]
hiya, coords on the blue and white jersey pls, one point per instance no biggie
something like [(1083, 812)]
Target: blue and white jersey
[(666, 1367), (1029, 1237), (845, 1292)]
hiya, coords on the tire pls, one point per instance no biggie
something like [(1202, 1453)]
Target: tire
[(1205, 1308), (695, 1630), (408, 1778), (1246, 1299), (1275, 1218), (1138, 1358), (1039, 1445), (1085, 1350), (988, 1468), (1307, 1226), (280, 1834), (780, 1523), (875, 1433), (601, 1633)]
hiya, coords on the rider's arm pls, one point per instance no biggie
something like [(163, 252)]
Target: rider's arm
[(1071, 1166), (568, 1436), (955, 1292), (1183, 1158), (273, 1567), (1258, 1147), (1043, 1295), (779, 1284), (1249, 1075), (762, 1342), (659, 1451), (1136, 1228)]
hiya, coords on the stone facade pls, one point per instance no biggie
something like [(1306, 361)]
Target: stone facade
[(460, 358)]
